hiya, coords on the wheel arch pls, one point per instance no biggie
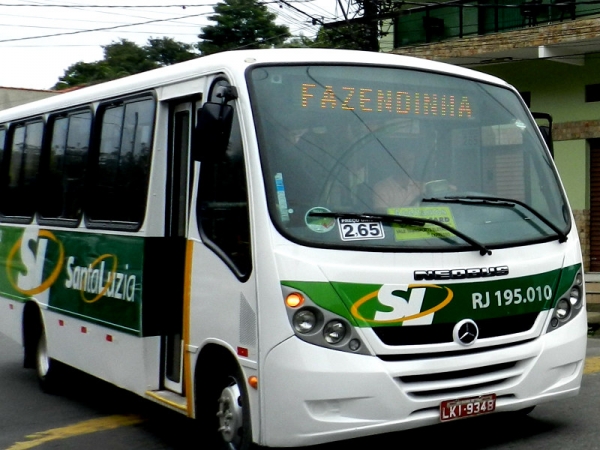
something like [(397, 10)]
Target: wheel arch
[(216, 363), (32, 327), (213, 360)]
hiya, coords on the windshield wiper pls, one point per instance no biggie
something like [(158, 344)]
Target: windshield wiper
[(498, 201), (406, 220)]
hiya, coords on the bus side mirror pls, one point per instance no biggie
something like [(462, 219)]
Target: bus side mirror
[(545, 129), (212, 131)]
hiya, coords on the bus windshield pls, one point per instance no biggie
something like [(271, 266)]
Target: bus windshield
[(354, 156)]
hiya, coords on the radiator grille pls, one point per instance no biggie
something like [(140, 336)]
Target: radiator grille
[(442, 333)]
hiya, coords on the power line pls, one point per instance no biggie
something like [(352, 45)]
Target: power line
[(183, 6), (55, 5), (103, 29)]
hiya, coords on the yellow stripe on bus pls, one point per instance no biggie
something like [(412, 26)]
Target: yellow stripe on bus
[(187, 366)]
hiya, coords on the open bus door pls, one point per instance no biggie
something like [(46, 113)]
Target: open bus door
[(544, 122)]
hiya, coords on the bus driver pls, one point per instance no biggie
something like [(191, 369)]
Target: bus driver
[(401, 188)]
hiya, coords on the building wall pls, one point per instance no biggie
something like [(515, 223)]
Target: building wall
[(10, 97), (559, 89), (556, 86)]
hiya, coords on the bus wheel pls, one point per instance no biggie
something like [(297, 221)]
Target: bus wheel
[(45, 366), (233, 415)]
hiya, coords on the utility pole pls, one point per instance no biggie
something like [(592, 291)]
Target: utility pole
[(371, 24)]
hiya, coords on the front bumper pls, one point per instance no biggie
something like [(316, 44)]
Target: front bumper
[(315, 395)]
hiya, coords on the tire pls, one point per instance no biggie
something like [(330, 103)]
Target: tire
[(46, 368), (224, 413)]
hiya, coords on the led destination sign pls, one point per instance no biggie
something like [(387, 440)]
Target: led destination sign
[(369, 100)]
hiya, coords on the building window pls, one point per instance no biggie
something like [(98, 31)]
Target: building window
[(592, 93)]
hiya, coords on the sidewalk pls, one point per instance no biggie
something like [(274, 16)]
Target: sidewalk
[(592, 287), (593, 347)]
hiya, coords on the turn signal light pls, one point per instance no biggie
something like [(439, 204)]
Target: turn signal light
[(294, 300), (253, 381)]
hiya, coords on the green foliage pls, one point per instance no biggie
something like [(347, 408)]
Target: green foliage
[(352, 37), (126, 58), (241, 24), (82, 73), (123, 58), (167, 51)]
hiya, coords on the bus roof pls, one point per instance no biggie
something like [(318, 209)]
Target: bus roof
[(237, 60)]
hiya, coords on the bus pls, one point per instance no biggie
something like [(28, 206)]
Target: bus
[(293, 246)]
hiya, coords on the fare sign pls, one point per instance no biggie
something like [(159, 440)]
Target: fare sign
[(467, 407)]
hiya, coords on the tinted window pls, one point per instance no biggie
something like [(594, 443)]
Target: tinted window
[(223, 202), (63, 189), (23, 163), (118, 193)]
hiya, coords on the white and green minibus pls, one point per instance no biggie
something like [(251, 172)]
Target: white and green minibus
[(293, 246)]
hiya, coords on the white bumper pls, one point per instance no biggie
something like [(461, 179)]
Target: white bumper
[(317, 395)]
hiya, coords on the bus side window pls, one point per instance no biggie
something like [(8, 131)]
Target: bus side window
[(222, 207), (2, 151), (18, 196), (62, 186), (118, 193)]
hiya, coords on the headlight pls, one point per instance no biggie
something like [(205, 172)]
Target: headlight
[(563, 309), (575, 297), (334, 331), (305, 321), (571, 303), (320, 326)]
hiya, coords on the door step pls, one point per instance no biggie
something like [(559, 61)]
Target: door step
[(170, 399)]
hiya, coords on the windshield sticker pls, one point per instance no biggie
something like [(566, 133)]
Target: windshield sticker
[(412, 232), (319, 224), (281, 199), (360, 229)]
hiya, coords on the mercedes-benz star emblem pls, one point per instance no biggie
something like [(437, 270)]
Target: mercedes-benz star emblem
[(465, 332)]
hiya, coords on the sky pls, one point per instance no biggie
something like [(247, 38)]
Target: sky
[(39, 39)]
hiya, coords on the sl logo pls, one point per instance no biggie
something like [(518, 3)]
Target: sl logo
[(402, 309), (31, 282)]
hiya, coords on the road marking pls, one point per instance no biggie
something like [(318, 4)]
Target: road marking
[(592, 365), (78, 429)]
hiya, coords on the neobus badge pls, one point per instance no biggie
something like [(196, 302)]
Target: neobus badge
[(457, 274)]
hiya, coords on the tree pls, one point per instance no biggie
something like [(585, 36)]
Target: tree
[(82, 73), (354, 36), (167, 51), (126, 58), (123, 58), (241, 24)]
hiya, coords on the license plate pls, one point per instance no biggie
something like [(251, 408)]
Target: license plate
[(467, 407)]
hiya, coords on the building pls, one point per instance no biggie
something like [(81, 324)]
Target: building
[(10, 97), (550, 51)]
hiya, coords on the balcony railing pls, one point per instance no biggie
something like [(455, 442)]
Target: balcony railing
[(436, 22)]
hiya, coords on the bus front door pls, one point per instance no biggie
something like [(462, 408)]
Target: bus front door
[(177, 213)]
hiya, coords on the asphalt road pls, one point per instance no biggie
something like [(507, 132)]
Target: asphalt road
[(92, 415)]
